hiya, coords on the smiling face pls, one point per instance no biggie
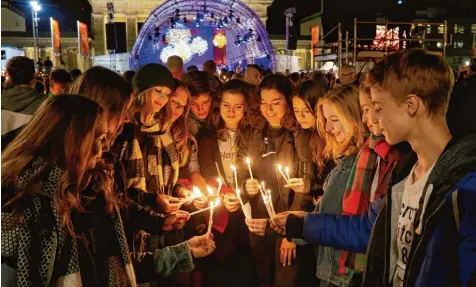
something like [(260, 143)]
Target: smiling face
[(369, 116), (99, 145), (393, 118), (159, 96), (201, 105), (273, 106), (177, 103), (232, 109), (334, 126), (303, 114)]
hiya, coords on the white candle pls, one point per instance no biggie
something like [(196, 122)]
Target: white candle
[(220, 184), (280, 168), (239, 196), (210, 220), (248, 162), (271, 203), (236, 175), (287, 172)]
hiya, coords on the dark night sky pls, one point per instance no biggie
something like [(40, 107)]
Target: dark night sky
[(335, 11)]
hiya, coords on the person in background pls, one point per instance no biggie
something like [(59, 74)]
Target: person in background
[(175, 66), (75, 73), (202, 99), (60, 80), (347, 75), (21, 100), (192, 68), (48, 65), (128, 76), (210, 67), (232, 112), (321, 80), (252, 75), (40, 87), (295, 79)]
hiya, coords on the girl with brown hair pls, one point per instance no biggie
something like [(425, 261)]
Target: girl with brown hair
[(44, 170), (232, 112), (267, 147)]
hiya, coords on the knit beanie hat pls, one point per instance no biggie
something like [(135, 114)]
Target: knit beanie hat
[(152, 75)]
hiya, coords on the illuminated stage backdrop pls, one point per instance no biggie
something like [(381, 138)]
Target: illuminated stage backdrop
[(226, 31)]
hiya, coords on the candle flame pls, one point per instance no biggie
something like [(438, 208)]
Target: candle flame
[(210, 190), (248, 161), (286, 169), (233, 167), (219, 180), (269, 191), (217, 202), (280, 167), (196, 191)]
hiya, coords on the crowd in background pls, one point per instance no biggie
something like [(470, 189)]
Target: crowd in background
[(102, 175)]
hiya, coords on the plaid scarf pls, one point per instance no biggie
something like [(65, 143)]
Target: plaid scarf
[(150, 158), (357, 195), (44, 253)]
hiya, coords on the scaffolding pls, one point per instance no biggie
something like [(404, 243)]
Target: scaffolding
[(341, 52)]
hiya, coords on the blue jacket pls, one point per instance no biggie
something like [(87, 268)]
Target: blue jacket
[(443, 255)]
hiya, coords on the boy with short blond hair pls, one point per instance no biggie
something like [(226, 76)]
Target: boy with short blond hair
[(424, 229)]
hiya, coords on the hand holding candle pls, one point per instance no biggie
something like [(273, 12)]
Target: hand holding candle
[(199, 201)]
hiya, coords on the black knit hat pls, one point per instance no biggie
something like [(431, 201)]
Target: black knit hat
[(152, 75)]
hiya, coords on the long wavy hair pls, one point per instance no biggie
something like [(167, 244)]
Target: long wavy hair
[(310, 92), (251, 118), (62, 132), (346, 101), (108, 89), (179, 128), (281, 84)]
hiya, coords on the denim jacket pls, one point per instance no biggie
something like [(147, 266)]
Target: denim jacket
[(331, 202)]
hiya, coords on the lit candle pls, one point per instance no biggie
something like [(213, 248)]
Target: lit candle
[(220, 184), (280, 168), (210, 190), (236, 175), (262, 184), (196, 192), (287, 172), (271, 204), (248, 162), (212, 208)]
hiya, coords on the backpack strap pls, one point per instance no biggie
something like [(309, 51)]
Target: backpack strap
[(454, 197)]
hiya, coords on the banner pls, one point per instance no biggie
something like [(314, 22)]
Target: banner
[(314, 40), (219, 46), (55, 42), (83, 40)]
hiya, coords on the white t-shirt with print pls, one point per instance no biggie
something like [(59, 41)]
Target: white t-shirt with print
[(410, 203), (228, 153)]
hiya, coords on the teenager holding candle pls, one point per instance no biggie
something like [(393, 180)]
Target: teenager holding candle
[(218, 150), (268, 146)]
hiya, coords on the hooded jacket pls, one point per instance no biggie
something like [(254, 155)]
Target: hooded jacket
[(23, 100)]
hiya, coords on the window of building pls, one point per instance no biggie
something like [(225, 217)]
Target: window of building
[(428, 29), (459, 44), (459, 29), (441, 29), (439, 44), (473, 28)]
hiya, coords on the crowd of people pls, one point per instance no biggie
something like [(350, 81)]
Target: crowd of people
[(172, 177)]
